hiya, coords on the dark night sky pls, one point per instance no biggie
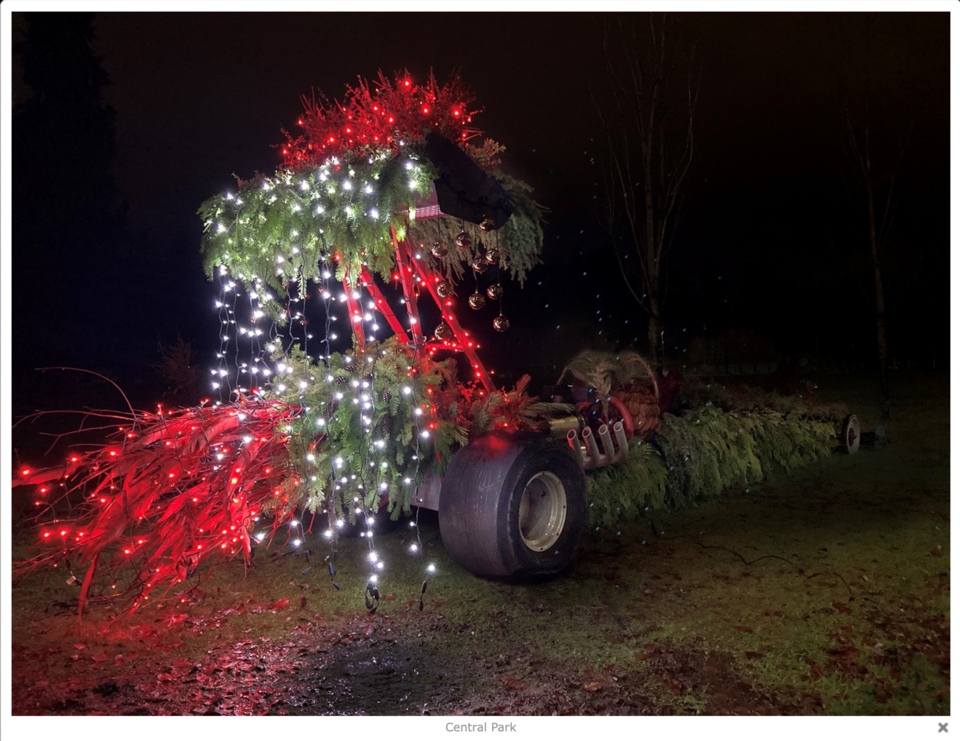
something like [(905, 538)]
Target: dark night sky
[(767, 233)]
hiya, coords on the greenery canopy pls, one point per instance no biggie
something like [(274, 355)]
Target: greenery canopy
[(342, 205)]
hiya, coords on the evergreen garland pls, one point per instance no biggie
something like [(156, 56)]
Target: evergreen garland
[(360, 434), (349, 183), (701, 453)]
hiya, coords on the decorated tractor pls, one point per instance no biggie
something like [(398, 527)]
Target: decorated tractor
[(382, 200)]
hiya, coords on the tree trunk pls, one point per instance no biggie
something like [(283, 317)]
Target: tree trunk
[(653, 335), (880, 310), (653, 262)]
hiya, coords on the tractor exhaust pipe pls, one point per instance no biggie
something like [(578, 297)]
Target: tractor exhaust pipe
[(621, 438), (612, 454), (574, 442), (594, 452)]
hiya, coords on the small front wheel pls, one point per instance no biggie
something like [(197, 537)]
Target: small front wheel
[(513, 506), (850, 435)]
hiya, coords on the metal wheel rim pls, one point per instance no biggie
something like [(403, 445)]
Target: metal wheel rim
[(543, 511), (853, 432)]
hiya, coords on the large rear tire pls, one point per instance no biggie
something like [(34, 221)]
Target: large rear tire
[(513, 506)]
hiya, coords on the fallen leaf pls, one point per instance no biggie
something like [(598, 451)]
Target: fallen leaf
[(643, 656), (101, 657), (280, 604), (303, 603), (79, 646), (743, 628), (512, 683), (592, 686), (754, 655), (840, 607)]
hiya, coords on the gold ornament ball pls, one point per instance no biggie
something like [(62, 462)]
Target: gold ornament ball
[(493, 256), (486, 225), (479, 265), (495, 291), (501, 323), (463, 240), (439, 249), (443, 332), (477, 301), (444, 289)]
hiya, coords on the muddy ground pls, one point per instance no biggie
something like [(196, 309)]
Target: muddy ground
[(826, 592)]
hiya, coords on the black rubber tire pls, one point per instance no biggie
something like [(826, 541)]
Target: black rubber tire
[(850, 435), (481, 497)]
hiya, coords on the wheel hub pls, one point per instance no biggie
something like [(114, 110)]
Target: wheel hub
[(543, 511)]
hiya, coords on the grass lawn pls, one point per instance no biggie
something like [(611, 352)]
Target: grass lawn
[(825, 592)]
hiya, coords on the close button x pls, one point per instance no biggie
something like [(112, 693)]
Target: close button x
[(943, 728)]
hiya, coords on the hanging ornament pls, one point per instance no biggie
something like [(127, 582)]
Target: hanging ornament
[(477, 301), (479, 265), (495, 291), (443, 332), (501, 323), (439, 249), (493, 256), (486, 225), (444, 289), (463, 240)]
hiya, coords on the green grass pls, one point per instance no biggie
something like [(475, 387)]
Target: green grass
[(851, 618)]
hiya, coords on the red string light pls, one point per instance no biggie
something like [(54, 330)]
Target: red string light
[(386, 110)]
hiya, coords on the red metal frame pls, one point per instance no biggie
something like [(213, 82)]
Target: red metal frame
[(430, 279), (413, 274), (354, 314), (367, 281), (405, 271)]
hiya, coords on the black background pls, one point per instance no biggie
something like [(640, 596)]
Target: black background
[(772, 240)]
